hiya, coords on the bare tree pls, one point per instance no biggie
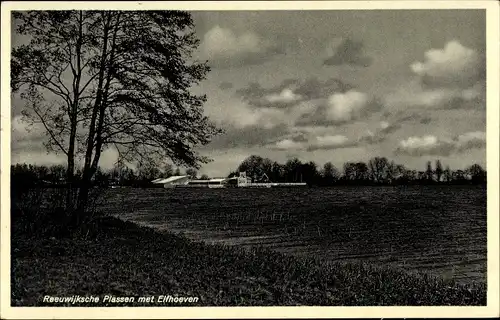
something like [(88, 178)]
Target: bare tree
[(121, 79), (379, 169), (356, 171)]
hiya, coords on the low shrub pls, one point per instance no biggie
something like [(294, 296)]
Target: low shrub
[(42, 212)]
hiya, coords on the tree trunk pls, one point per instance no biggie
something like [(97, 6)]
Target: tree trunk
[(83, 197), (70, 180), (70, 205), (87, 169)]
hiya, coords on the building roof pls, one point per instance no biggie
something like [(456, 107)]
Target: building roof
[(217, 180), (169, 179)]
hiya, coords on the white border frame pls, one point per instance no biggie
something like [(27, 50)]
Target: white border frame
[(492, 152)]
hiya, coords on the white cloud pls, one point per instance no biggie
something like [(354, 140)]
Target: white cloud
[(414, 95), (419, 97), (454, 64), (285, 96), (312, 142), (425, 145), (224, 42), (448, 78), (346, 106), (384, 125), (419, 142), (288, 144), (431, 145), (225, 48), (329, 142), (240, 115)]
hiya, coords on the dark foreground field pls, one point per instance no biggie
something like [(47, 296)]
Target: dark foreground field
[(440, 230), (121, 259), (113, 257)]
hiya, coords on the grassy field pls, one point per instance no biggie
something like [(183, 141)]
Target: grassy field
[(440, 230), (347, 247), (122, 259)]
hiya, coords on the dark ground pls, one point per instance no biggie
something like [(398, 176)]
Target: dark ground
[(439, 230), (109, 256)]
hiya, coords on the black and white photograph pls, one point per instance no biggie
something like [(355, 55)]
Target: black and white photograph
[(162, 156)]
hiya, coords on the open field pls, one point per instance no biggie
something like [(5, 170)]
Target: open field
[(342, 252), (122, 259), (439, 230)]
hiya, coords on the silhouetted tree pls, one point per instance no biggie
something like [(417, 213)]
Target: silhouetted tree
[(476, 173), (255, 166), (293, 170), (267, 166), (232, 174), (147, 173), (378, 169), (101, 178), (429, 173), (122, 79), (330, 174), (277, 172), (128, 177), (447, 174), (459, 176), (361, 171), (397, 171), (57, 173), (356, 171), (309, 172), (409, 176), (439, 170)]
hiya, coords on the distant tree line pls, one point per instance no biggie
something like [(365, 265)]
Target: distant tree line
[(378, 171), (28, 175)]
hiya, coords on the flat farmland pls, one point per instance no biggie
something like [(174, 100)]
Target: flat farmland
[(439, 230)]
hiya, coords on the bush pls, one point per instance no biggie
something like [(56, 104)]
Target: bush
[(42, 212)]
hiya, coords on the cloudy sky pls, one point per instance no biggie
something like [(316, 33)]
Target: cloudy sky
[(335, 86)]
